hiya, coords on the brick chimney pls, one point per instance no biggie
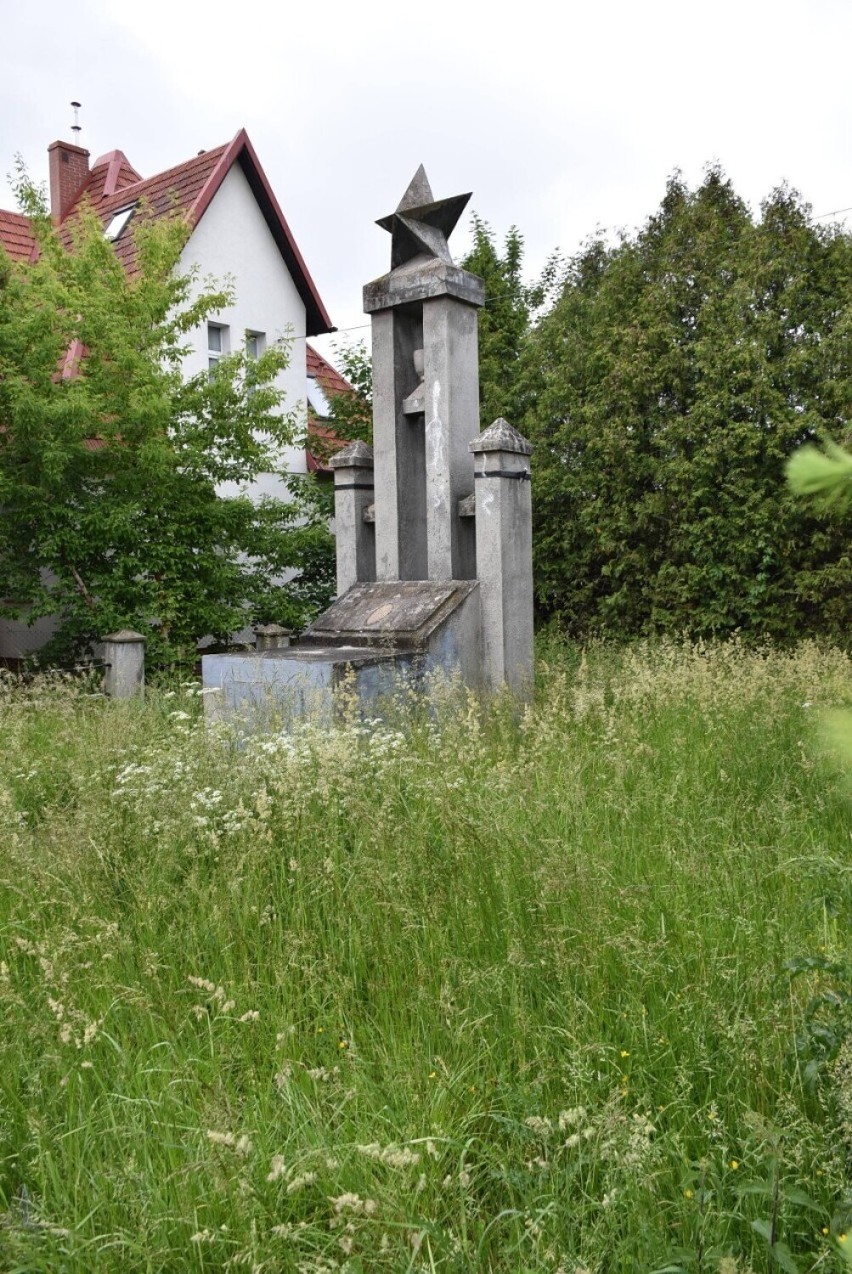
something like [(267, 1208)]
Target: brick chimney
[(69, 170)]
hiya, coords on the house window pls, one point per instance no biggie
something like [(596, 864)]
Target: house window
[(217, 345), (117, 222), (255, 344)]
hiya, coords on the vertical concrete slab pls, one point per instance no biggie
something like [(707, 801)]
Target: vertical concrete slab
[(451, 379), (398, 448), (504, 556), (353, 494)]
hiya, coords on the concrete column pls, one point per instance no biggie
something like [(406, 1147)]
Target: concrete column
[(398, 447), (353, 494), (451, 381), (124, 656), (504, 556)]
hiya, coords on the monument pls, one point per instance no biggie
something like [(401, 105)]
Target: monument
[(433, 523)]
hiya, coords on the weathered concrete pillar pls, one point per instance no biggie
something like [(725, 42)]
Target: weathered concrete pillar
[(504, 556), (353, 494), (451, 382), (124, 656)]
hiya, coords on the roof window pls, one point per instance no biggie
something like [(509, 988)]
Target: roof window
[(317, 398), (118, 221)]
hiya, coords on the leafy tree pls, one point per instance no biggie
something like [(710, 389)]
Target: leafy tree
[(667, 385), (111, 462), (352, 413)]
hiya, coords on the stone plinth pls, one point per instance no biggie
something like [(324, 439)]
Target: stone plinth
[(375, 638), (274, 688), (439, 623)]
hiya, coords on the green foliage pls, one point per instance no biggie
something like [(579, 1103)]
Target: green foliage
[(352, 413), (111, 462), (824, 475), (504, 320), (666, 388)]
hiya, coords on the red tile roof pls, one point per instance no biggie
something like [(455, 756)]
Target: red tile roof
[(174, 191), (110, 173), (16, 236), (187, 189), (329, 377)]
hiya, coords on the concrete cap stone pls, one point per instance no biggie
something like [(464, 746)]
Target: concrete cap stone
[(124, 634), (501, 436), (356, 456), (421, 280)]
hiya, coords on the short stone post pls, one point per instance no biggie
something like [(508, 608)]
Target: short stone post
[(353, 494), (124, 656), (272, 637), (504, 556)]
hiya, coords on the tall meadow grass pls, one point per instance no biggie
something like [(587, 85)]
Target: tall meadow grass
[(466, 989)]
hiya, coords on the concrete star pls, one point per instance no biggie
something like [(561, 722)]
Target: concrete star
[(421, 223)]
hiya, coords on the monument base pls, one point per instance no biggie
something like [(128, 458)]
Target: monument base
[(372, 641)]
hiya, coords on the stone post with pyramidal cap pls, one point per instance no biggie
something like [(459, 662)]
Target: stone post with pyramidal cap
[(353, 496), (504, 556)]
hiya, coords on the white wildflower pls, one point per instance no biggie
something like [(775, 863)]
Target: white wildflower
[(538, 1125), (299, 1183), (568, 1118), (221, 1138)]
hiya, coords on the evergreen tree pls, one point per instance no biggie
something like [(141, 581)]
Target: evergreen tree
[(668, 384), (504, 320)]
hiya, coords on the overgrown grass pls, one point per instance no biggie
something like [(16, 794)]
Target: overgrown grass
[(469, 992)]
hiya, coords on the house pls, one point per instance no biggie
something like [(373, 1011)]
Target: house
[(237, 231)]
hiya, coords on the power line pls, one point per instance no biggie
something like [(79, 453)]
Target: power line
[(820, 216)]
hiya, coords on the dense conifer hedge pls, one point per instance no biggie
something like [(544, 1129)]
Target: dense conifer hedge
[(664, 390)]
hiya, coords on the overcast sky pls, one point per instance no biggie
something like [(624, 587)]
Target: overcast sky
[(561, 118)]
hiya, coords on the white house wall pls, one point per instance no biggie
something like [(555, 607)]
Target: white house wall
[(232, 241)]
